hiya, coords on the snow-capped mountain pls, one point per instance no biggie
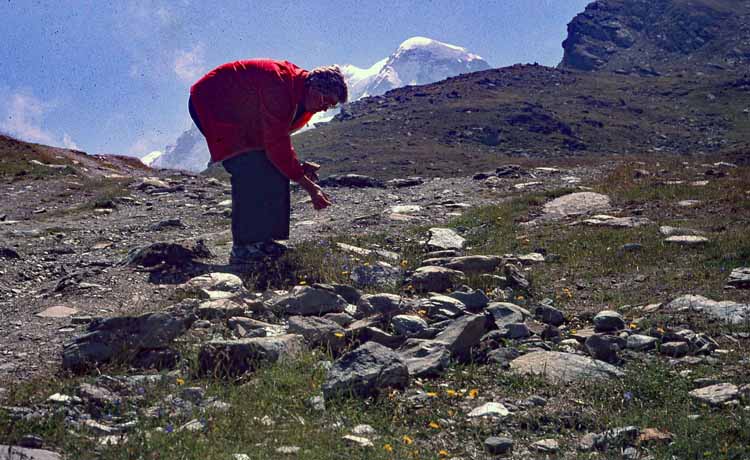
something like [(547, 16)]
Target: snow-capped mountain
[(417, 61), (150, 158)]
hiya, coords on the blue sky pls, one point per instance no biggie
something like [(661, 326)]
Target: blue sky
[(112, 76)]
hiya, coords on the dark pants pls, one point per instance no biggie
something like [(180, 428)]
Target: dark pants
[(260, 199)]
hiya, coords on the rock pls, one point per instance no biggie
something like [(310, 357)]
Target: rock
[(122, 338), (351, 180), (222, 308), (31, 441), (436, 279), (549, 315), (716, 395), (444, 239), (666, 230), (441, 305), (357, 441), (686, 240), (490, 409), (739, 278), (603, 348), (473, 299), (233, 358), (425, 358), (307, 300), (546, 446), (725, 311), (602, 220), (349, 293), (342, 319), (640, 342), (247, 327), (474, 264), (616, 438), (502, 356), (318, 331), (97, 399), (151, 182), (169, 223), (503, 313), (608, 321), (516, 278), (463, 334), (170, 254), (631, 247), (163, 358), (515, 331), (406, 209), (498, 445), (384, 304), (557, 367), (575, 204), (22, 453), (408, 325), (379, 336), (407, 182), (366, 371), (57, 311), (8, 253), (362, 430), (377, 274), (675, 349), (288, 450), (213, 286)]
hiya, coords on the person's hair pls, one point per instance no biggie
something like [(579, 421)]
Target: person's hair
[(328, 80)]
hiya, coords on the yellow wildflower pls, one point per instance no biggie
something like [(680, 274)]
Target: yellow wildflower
[(473, 393), (660, 330), (407, 440), (633, 326), (520, 297), (344, 272), (443, 453), (573, 331), (434, 425), (451, 413), (302, 282), (404, 263), (451, 392), (338, 334), (432, 394), (180, 381), (388, 448), (422, 312)]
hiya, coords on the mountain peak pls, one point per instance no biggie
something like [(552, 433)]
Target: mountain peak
[(435, 47)]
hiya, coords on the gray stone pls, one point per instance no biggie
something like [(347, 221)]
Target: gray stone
[(213, 286), (441, 305), (384, 304), (678, 231), (474, 299), (640, 342), (463, 334), (247, 327), (122, 338), (498, 445), (516, 278), (22, 453), (725, 311), (558, 367), (603, 348), (515, 331), (379, 336), (686, 240), (58, 311), (31, 441), (358, 441), (546, 446), (608, 321), (444, 239), (503, 313), (378, 274), (436, 279), (351, 181), (616, 438), (342, 319), (603, 220), (490, 409), (739, 278), (675, 349), (221, 309), (549, 315), (366, 371), (575, 204), (318, 331), (716, 394), (474, 264), (408, 325), (235, 357), (307, 301), (425, 358)]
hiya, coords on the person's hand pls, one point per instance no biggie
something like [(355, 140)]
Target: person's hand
[(311, 170), (319, 199)]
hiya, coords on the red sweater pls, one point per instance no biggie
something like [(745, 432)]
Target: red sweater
[(250, 105)]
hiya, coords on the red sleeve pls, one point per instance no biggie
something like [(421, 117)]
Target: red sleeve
[(277, 112)]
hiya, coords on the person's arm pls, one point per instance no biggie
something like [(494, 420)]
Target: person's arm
[(319, 199)]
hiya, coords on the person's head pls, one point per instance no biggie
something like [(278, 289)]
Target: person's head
[(324, 88)]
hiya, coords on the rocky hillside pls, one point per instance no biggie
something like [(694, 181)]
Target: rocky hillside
[(649, 37)]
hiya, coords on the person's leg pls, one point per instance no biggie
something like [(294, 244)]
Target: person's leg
[(260, 201)]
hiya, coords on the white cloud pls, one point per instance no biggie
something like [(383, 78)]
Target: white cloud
[(23, 117), (189, 64)]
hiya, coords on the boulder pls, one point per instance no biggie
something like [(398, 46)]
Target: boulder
[(436, 279), (408, 325), (442, 305), (474, 264), (608, 321), (473, 299), (383, 304), (222, 358), (318, 331), (366, 371), (640, 342), (425, 358), (515, 331), (724, 311), (307, 301), (557, 367), (503, 313), (352, 181), (604, 348), (444, 239), (123, 338), (686, 240), (739, 278), (575, 204), (170, 254), (716, 395), (548, 314), (463, 334), (22, 453), (213, 286), (221, 308)]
